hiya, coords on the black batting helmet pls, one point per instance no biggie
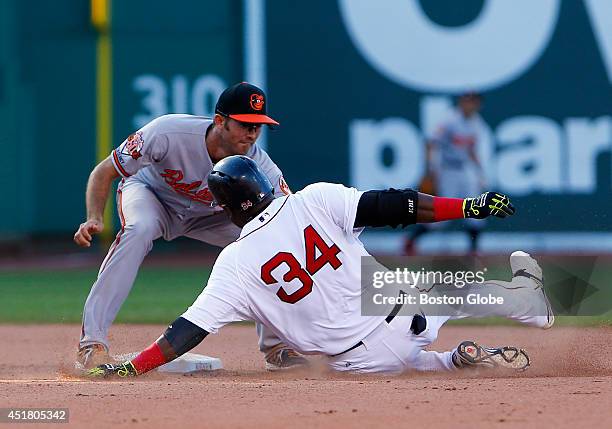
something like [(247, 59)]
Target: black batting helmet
[(240, 187)]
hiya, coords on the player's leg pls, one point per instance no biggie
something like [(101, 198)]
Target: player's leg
[(472, 185), (419, 359), (219, 231), (216, 230), (143, 219), (468, 354), (395, 348), (399, 349), (410, 242), (462, 182), (473, 230), (524, 298), (524, 301)]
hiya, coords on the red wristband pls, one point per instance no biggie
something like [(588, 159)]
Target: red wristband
[(150, 358), (447, 208)]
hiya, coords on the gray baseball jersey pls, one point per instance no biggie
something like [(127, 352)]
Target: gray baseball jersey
[(456, 173), (170, 157), (455, 137), (163, 193)]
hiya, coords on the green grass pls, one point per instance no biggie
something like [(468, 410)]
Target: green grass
[(159, 295), (602, 320)]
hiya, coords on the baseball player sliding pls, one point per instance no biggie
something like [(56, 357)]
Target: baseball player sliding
[(163, 193), (296, 269)]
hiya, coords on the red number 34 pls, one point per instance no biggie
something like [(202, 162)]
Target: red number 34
[(313, 241)]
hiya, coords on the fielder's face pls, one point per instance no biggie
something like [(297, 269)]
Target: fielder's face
[(469, 106), (239, 137)]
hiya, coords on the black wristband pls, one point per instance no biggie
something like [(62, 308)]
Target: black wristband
[(182, 335), (391, 207)]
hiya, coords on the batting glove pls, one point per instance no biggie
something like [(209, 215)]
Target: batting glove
[(488, 204), (122, 370)]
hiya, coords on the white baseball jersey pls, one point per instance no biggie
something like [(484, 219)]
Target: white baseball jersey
[(296, 268), (177, 175), (454, 138)]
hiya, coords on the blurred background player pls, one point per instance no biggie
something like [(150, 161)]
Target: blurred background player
[(453, 168)]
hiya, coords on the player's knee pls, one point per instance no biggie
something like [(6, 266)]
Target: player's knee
[(143, 230), (431, 335), (428, 336)]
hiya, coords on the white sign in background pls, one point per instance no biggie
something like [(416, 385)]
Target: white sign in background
[(500, 45)]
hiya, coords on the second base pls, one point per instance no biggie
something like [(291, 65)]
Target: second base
[(185, 364), (191, 362)]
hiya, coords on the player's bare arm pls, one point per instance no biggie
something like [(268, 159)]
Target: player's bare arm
[(395, 207), (98, 186)]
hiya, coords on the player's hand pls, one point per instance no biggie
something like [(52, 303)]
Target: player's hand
[(122, 370), (86, 230), (488, 204)]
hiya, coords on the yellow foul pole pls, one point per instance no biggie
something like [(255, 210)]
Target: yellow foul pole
[(101, 14)]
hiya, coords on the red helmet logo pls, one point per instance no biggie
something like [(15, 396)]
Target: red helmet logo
[(257, 101)]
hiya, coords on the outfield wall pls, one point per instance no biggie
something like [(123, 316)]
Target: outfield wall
[(163, 59), (355, 84)]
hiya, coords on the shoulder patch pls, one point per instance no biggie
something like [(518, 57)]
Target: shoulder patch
[(133, 145)]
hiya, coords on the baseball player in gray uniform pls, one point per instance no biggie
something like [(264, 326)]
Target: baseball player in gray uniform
[(453, 163), (163, 193)]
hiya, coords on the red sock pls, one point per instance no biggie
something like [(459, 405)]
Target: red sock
[(447, 208), (150, 358)]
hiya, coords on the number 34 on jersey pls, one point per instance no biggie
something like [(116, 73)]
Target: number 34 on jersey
[(312, 242)]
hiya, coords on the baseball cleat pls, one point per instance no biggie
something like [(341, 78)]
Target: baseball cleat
[(472, 355), (523, 265), (284, 358), (92, 355)]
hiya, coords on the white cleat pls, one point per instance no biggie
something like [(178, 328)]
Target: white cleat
[(524, 266), (469, 354)]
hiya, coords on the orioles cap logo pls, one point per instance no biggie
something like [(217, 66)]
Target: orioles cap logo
[(257, 101)]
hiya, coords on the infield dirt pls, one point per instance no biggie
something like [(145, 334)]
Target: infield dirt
[(568, 385)]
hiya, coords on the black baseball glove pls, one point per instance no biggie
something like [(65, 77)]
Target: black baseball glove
[(488, 204), (123, 370)]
